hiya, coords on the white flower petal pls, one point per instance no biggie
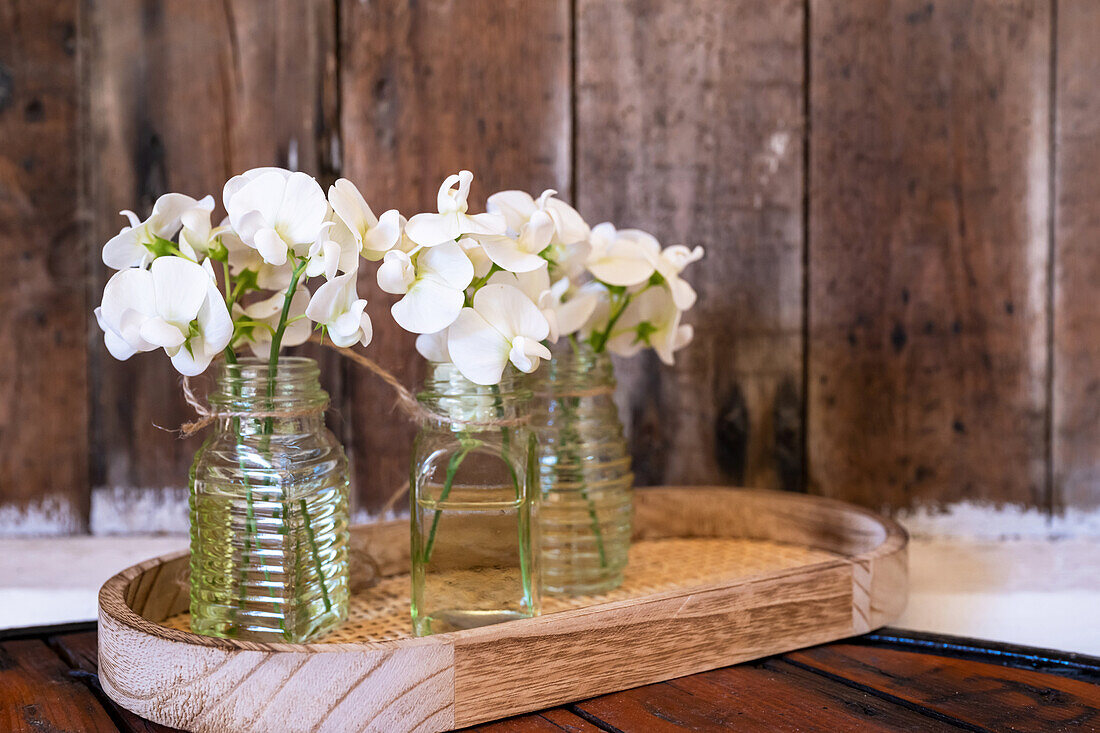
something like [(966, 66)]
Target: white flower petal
[(429, 306), (525, 354), (515, 206), (483, 224), (125, 250), (351, 207), (447, 263), (303, 209), (117, 346), (384, 236), (621, 269), (271, 247), (433, 346), (236, 183), (129, 289), (428, 230), (159, 332), (510, 312), (477, 349), (507, 253), (262, 194), (396, 274), (569, 225), (180, 288), (575, 312)]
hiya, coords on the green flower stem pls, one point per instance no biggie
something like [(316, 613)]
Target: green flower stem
[(570, 416), (250, 517), (316, 554), (599, 341), (269, 422), (505, 449), (452, 469)]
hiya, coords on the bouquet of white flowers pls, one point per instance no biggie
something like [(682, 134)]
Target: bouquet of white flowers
[(486, 294), (486, 290)]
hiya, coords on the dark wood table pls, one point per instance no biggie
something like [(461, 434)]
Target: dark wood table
[(890, 680)]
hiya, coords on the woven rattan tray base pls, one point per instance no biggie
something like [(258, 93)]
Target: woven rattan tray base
[(381, 612), (716, 576)]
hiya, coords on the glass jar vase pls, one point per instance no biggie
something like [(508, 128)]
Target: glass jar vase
[(269, 508), (584, 473), (473, 495)]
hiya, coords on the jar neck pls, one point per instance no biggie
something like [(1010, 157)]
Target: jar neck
[(446, 392), (575, 371), (251, 390)]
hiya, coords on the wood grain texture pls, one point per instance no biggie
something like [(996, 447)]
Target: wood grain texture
[(769, 695), (80, 652), (182, 96), (37, 694), (987, 695), (928, 251), (428, 89), (201, 683), (1076, 356), (690, 125), (548, 721), (43, 382)]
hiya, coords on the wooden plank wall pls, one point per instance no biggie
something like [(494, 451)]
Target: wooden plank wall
[(898, 200)]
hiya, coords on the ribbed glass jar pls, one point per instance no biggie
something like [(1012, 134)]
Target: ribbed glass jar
[(473, 493), (584, 473), (269, 509)]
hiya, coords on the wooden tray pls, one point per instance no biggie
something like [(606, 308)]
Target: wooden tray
[(716, 576)]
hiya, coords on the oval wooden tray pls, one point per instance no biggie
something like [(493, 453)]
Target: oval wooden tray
[(716, 576)]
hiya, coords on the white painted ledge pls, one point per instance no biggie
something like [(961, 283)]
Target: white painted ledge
[(1039, 592)]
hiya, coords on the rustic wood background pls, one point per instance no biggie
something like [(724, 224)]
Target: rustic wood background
[(899, 199)]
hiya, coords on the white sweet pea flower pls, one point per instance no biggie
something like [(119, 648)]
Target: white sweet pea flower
[(521, 252), (174, 305), (374, 235), (473, 249), (433, 346), (502, 326), (197, 235), (651, 319), (452, 221), (669, 263), (338, 307), (621, 257), (267, 312), (565, 316), (242, 257), (601, 313), (434, 287), (128, 301), (276, 211), (397, 273), (571, 260), (517, 208), (130, 247)]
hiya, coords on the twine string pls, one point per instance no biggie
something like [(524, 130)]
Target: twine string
[(207, 414), (406, 401)]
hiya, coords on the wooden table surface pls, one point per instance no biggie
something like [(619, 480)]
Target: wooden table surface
[(890, 680)]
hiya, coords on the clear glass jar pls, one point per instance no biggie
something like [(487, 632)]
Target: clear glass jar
[(269, 509), (473, 495), (584, 473)]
